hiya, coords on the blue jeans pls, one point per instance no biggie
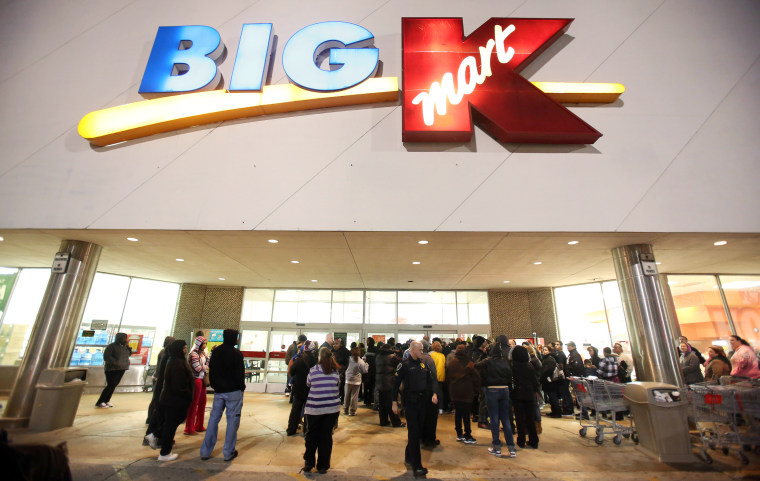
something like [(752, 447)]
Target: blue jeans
[(233, 403), (498, 410)]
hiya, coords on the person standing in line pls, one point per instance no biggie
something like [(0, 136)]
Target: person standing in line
[(292, 351), (299, 371), (717, 364), (593, 355), (176, 396), (155, 420), (498, 380), (549, 382), (116, 362), (328, 342), (368, 380), (228, 381), (566, 397), (744, 360), (385, 367), (199, 363), (690, 369), (322, 410), (341, 355), (436, 354), (464, 383), (418, 388), (525, 387), (356, 367), (625, 361)]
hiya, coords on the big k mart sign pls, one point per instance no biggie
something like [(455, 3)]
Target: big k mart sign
[(450, 81)]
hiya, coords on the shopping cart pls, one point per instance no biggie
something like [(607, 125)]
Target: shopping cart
[(727, 417), (605, 398)]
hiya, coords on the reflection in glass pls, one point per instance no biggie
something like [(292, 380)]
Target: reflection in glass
[(743, 297), (700, 311)]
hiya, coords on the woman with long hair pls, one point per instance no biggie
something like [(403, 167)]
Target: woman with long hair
[(744, 360), (551, 386), (717, 364), (199, 364), (322, 410), (692, 374), (356, 367)]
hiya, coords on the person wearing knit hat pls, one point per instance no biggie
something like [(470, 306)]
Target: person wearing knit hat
[(199, 363)]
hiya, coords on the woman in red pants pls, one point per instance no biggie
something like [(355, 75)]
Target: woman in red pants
[(199, 365)]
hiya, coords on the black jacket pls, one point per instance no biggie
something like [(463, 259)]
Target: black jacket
[(178, 386), (524, 376), (299, 371), (342, 356), (226, 368), (496, 371), (575, 364), (116, 355), (385, 367), (547, 369)]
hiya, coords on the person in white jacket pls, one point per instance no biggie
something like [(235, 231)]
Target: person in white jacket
[(356, 367)]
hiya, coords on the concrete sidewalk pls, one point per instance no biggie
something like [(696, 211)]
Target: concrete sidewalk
[(107, 444)]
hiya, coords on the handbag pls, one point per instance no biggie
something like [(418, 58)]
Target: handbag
[(558, 375)]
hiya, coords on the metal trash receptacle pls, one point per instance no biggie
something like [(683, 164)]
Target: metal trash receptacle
[(660, 413), (59, 391)]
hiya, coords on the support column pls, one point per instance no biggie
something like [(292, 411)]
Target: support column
[(52, 340), (649, 314)]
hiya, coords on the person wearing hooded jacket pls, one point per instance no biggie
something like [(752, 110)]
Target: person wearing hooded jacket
[(497, 379), (176, 396), (385, 368), (302, 362), (525, 387), (464, 383), (116, 362), (155, 421), (228, 381), (199, 364)]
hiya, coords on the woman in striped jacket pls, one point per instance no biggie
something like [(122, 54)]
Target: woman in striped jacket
[(322, 410), (199, 366)]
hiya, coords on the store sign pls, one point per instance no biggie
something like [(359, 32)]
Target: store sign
[(449, 81)]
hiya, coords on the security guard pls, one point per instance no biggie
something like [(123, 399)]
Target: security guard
[(418, 388)]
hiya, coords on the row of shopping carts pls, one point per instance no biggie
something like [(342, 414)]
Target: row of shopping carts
[(727, 415), (603, 401)]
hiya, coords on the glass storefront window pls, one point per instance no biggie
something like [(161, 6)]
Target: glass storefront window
[(743, 297), (427, 307), (581, 317), (21, 312), (149, 311), (472, 308), (257, 305), (306, 306), (699, 309), (381, 307), (7, 279), (347, 307), (615, 316)]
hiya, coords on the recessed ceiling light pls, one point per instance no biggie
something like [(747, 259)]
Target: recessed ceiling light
[(132, 239), (180, 260), (422, 242), (295, 262), (720, 243), (670, 283), (507, 282), (221, 278), (273, 241), (2, 238), (313, 280), (416, 262), (658, 263), (537, 263), (572, 243)]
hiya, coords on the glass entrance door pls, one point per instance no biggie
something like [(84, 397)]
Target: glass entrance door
[(277, 368)]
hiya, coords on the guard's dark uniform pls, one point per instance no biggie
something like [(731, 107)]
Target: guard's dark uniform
[(418, 389)]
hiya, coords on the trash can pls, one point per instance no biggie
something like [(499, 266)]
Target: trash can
[(59, 391), (660, 413)]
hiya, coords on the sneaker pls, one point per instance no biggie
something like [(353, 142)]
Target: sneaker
[(470, 440), (102, 406), (152, 441), (418, 473), (460, 437), (484, 426), (168, 457), (440, 411), (145, 442), (567, 415), (495, 451), (512, 452)]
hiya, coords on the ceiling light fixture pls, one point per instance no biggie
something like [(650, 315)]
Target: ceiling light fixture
[(507, 282), (295, 262), (2, 238), (658, 263), (132, 239), (221, 278), (313, 280), (273, 241), (416, 262), (180, 260), (537, 263), (720, 243), (572, 243), (422, 242)]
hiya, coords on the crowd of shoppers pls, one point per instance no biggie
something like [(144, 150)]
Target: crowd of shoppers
[(494, 383)]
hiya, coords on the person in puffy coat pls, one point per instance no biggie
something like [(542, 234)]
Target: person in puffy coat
[(744, 360), (116, 363), (717, 364), (524, 389), (385, 367), (464, 383), (690, 369), (176, 396), (356, 367), (549, 386)]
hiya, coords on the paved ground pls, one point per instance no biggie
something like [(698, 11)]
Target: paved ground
[(105, 444)]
